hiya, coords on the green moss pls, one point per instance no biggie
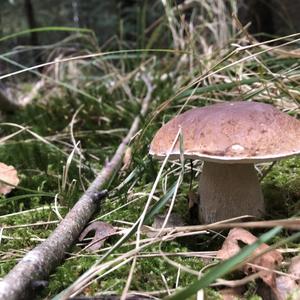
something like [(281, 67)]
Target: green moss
[(67, 273), (281, 188)]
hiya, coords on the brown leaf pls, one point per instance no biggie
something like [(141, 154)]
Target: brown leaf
[(8, 174), (102, 232), (285, 285), (294, 268), (290, 285), (268, 260), (174, 221)]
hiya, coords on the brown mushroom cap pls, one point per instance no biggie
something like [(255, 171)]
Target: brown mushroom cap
[(231, 132)]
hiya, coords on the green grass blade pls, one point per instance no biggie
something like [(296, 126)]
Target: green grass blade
[(21, 197), (223, 268), (45, 29)]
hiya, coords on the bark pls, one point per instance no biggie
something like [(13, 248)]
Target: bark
[(39, 262), (228, 191)]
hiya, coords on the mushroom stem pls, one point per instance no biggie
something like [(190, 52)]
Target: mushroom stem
[(229, 190)]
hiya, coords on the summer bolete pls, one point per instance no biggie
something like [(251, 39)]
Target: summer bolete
[(230, 138)]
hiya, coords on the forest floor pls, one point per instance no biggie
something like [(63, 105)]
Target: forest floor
[(61, 140)]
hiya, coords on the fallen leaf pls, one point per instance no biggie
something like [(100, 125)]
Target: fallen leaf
[(263, 264), (174, 220), (289, 286), (8, 174), (294, 268), (102, 232), (285, 286)]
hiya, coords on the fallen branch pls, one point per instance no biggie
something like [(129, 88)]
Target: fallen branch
[(38, 263)]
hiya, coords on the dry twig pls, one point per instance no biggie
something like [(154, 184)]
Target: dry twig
[(293, 224)]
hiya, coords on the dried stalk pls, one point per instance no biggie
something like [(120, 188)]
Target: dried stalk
[(115, 297), (293, 224), (37, 264)]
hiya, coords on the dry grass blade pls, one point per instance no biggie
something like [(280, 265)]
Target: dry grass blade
[(293, 224), (8, 178)]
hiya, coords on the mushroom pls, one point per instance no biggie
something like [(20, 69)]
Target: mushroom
[(230, 138)]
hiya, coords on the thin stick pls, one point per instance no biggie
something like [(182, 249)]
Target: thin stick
[(39, 262), (293, 224)]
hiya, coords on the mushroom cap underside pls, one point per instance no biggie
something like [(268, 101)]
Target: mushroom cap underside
[(241, 132)]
